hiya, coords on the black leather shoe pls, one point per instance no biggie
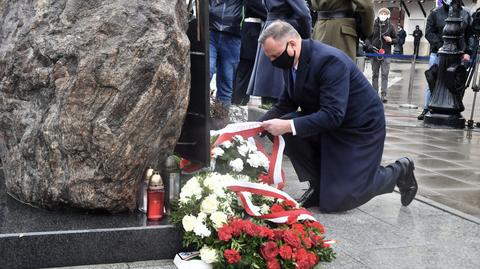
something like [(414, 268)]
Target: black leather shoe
[(407, 184), (422, 115), (309, 199)]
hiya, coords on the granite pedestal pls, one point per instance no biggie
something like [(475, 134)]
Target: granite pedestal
[(35, 238)]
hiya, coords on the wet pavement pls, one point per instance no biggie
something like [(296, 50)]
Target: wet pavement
[(440, 229)]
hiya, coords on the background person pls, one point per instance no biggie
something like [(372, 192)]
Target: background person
[(336, 139), (225, 19), (340, 23), (267, 80), (384, 35), (417, 36), (401, 36), (255, 15)]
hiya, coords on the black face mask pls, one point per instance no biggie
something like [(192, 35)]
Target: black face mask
[(284, 61)]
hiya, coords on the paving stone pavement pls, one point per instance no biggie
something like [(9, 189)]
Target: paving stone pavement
[(440, 229)]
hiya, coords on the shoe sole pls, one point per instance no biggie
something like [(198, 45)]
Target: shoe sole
[(415, 184)]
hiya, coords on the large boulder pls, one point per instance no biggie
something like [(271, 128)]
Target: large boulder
[(91, 92)]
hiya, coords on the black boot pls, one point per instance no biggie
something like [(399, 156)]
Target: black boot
[(310, 198), (422, 115), (406, 183)]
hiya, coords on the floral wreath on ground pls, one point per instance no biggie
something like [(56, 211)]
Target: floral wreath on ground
[(236, 221)]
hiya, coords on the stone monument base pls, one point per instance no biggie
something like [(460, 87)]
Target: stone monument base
[(37, 238), (455, 121)]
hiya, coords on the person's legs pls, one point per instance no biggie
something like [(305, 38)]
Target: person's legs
[(375, 72), (227, 65), (427, 94), (240, 84), (213, 52), (385, 64)]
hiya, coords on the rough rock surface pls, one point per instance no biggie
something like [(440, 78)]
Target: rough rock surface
[(91, 92)]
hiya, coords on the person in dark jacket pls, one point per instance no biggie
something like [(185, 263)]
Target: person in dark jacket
[(401, 36), (255, 15), (417, 36), (433, 34), (225, 19), (384, 36), (267, 80), (336, 139)]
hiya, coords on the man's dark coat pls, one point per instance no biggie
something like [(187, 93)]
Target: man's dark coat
[(341, 108)]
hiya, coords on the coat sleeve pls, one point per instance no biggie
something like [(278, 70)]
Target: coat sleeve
[(302, 15), (284, 106), (367, 14), (333, 100), (393, 35), (431, 32)]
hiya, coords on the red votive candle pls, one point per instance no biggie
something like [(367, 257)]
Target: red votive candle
[(156, 199)]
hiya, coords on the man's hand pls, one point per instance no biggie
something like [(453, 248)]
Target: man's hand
[(277, 126), (466, 57), (388, 39)]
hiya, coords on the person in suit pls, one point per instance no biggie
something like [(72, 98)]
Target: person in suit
[(266, 80), (255, 15), (402, 36), (335, 141), (340, 23), (417, 36)]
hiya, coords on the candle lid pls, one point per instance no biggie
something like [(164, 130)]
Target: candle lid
[(156, 181)]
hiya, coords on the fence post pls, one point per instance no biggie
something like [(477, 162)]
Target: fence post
[(410, 85)]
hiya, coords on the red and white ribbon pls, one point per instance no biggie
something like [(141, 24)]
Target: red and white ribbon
[(244, 189), (251, 129)]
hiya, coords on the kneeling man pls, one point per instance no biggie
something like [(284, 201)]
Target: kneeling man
[(335, 140)]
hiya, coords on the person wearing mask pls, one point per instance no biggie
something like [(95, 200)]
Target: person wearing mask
[(267, 80), (335, 140), (402, 35), (340, 23), (433, 34), (417, 36), (225, 19), (255, 15), (384, 36)]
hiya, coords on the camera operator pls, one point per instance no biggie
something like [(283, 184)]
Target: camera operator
[(433, 33)]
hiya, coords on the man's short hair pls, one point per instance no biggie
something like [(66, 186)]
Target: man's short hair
[(278, 30)]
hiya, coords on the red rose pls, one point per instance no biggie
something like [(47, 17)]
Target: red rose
[(232, 256), (269, 250), (286, 252), (291, 238), (273, 264), (276, 208), (278, 234), (316, 225), (225, 233), (183, 163), (316, 239), (236, 227), (307, 242)]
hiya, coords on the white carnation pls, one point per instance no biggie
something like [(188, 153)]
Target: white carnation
[(218, 219), (216, 152), (208, 255), (202, 230), (226, 144), (253, 160), (239, 138), (209, 204), (237, 165), (243, 150), (192, 189), (189, 222), (201, 217)]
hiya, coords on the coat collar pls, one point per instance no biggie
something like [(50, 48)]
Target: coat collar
[(303, 64)]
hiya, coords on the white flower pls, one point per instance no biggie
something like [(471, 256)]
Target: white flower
[(237, 165), (243, 150), (208, 255), (201, 217), (252, 147), (253, 160), (216, 152), (192, 189), (264, 209), (209, 204), (218, 219), (189, 222), (239, 138), (226, 144), (202, 230)]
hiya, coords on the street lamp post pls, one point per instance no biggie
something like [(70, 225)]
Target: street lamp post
[(446, 103)]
